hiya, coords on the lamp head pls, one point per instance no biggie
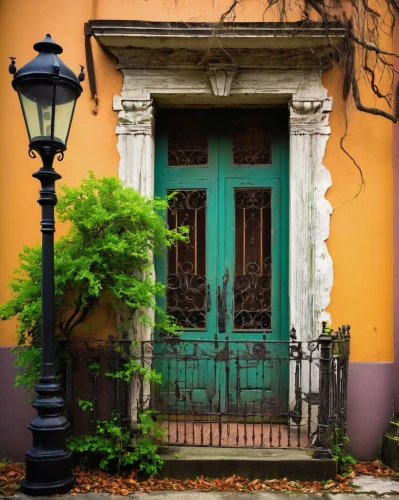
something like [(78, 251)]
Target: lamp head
[(48, 91)]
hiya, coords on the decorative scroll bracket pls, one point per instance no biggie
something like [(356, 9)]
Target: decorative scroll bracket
[(310, 117), (136, 116), (221, 76), (135, 132)]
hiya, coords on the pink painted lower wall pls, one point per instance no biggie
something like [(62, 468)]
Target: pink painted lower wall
[(15, 413), (370, 407)]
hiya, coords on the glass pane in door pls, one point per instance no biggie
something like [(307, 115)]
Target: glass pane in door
[(253, 263), (186, 288), (187, 140), (252, 140)]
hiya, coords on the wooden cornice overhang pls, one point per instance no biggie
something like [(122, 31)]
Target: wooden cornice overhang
[(142, 44)]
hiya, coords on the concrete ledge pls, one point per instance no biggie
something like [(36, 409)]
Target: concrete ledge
[(189, 462), (390, 445)]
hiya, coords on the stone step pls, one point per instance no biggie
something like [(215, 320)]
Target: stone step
[(182, 462)]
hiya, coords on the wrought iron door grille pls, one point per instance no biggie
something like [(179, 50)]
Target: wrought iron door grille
[(252, 140), (187, 140), (253, 261), (186, 286)]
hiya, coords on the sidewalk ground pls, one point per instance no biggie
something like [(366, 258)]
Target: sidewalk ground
[(366, 487)]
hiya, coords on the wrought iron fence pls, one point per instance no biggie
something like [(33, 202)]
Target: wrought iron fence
[(246, 393), (223, 392), (88, 362)]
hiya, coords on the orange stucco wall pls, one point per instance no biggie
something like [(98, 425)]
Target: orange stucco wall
[(361, 239), (361, 234)]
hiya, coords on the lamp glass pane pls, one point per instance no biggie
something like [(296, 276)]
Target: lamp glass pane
[(36, 101), (65, 100)]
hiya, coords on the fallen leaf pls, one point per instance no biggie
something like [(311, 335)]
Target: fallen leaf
[(100, 482)]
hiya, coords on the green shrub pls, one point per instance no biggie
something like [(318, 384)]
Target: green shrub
[(105, 255), (111, 443)]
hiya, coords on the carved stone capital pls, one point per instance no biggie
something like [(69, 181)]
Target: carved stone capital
[(221, 76), (136, 116), (310, 117)]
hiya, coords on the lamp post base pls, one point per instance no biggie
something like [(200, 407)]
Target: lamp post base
[(48, 461), (46, 489), (48, 475)]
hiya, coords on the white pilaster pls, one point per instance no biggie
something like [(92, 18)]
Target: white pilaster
[(136, 143), (310, 269), (135, 132), (311, 274)]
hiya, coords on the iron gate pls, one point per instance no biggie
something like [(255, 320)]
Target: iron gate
[(221, 415)]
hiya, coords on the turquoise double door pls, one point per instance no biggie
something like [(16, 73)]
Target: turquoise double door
[(226, 174)]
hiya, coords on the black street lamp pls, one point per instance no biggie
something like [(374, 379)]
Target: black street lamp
[(47, 91)]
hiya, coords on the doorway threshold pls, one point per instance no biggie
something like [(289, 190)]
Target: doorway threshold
[(182, 462)]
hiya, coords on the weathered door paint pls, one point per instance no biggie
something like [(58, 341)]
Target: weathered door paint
[(228, 288)]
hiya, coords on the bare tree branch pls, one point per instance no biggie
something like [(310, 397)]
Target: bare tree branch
[(66, 329), (229, 11), (394, 4), (365, 109), (78, 320), (396, 99), (370, 46), (364, 26), (369, 9)]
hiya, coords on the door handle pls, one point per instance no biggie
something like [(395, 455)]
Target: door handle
[(221, 312), (222, 302), (208, 298)]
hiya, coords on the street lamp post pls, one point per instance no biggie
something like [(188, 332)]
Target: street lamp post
[(47, 91)]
